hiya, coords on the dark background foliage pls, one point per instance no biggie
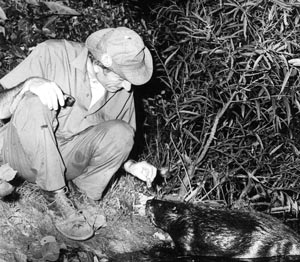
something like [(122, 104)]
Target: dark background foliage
[(221, 113), (227, 121)]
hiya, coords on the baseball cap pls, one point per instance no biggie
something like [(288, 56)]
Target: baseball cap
[(123, 51)]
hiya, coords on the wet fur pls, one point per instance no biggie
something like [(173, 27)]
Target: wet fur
[(198, 230)]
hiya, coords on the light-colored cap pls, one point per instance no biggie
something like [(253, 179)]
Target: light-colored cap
[(123, 51)]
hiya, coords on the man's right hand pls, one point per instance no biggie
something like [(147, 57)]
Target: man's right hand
[(49, 92)]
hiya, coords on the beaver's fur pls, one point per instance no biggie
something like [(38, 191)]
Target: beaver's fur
[(203, 231)]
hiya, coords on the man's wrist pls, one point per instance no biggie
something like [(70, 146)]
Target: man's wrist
[(20, 90), (25, 87), (127, 165)]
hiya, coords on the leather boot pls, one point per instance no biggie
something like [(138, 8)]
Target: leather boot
[(90, 208), (67, 219)]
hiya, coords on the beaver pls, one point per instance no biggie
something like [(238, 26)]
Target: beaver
[(203, 231)]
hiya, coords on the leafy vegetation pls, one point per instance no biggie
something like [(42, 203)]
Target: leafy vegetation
[(24, 23), (224, 117), (226, 123)]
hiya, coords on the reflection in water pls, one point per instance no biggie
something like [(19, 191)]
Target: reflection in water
[(166, 254)]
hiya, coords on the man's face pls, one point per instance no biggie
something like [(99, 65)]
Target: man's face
[(110, 80)]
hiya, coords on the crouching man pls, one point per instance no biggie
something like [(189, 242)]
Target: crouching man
[(72, 119)]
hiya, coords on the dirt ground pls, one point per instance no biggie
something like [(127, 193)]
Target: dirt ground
[(25, 224)]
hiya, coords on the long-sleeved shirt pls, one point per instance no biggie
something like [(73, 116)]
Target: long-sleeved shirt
[(65, 63)]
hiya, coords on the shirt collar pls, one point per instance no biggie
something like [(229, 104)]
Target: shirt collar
[(81, 60)]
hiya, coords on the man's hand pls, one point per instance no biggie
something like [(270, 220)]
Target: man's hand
[(141, 170), (48, 92)]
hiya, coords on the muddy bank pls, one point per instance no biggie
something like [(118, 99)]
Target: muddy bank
[(24, 223)]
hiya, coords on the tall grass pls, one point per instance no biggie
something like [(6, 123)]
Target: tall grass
[(226, 123)]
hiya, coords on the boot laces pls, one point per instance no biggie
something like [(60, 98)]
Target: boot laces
[(64, 204)]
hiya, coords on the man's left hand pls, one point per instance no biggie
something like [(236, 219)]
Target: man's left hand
[(142, 170)]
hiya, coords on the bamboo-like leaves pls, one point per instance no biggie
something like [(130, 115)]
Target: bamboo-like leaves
[(208, 52)]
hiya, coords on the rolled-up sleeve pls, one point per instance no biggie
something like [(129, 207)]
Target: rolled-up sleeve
[(34, 65)]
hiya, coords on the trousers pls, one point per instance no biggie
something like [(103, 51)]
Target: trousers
[(88, 159)]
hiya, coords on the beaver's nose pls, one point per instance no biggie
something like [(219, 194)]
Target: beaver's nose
[(149, 207)]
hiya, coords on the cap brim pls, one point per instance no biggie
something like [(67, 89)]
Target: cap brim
[(140, 75)]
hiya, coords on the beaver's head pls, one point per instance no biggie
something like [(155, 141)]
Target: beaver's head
[(162, 213)]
